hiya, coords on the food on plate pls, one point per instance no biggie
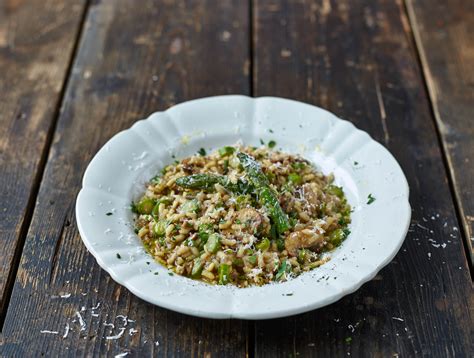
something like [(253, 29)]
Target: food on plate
[(242, 215)]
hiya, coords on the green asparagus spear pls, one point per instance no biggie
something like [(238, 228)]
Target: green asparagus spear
[(264, 193), (224, 272), (207, 182)]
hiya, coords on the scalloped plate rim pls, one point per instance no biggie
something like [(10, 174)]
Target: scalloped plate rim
[(275, 313)]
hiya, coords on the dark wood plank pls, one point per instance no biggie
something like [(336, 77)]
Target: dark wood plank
[(443, 32), (36, 43), (132, 60), (357, 59)]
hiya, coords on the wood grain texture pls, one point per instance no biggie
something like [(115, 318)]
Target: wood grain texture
[(443, 32), (357, 59), (36, 43), (132, 60)]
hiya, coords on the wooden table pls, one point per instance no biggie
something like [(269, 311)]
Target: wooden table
[(75, 72)]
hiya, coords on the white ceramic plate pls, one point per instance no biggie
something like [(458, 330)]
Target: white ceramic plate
[(116, 176)]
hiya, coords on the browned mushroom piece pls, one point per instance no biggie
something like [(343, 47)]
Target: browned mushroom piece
[(287, 202), (302, 239), (252, 221)]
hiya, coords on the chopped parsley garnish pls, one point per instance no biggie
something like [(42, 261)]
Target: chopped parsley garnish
[(356, 163), (118, 256), (170, 273), (148, 262), (270, 130), (262, 142), (202, 152), (109, 213), (156, 179), (271, 144), (370, 199), (156, 273), (287, 294), (133, 208), (348, 339)]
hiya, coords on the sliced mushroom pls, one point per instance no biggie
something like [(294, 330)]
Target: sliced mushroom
[(252, 221), (302, 239)]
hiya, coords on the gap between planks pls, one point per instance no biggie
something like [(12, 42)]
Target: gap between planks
[(413, 35), (39, 174)]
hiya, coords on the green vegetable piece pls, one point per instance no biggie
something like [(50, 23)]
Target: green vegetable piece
[(252, 259), (295, 178), (156, 208), (338, 236), (191, 206), (198, 181), (282, 271), (213, 243), (280, 244), (335, 190), (263, 245), (270, 201), (271, 144), (197, 268), (204, 231), (299, 165), (370, 199), (156, 179), (301, 255), (145, 205), (159, 228), (238, 262), (243, 201), (226, 151), (226, 166), (224, 273), (265, 195), (207, 182), (202, 152), (253, 170)]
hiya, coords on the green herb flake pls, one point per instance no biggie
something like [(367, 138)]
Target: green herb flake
[(370, 199), (270, 130), (156, 179), (109, 213), (271, 144), (348, 340), (118, 256), (170, 273), (148, 262), (202, 152), (262, 142), (356, 163), (133, 208)]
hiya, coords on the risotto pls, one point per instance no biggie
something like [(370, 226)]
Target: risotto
[(241, 215)]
